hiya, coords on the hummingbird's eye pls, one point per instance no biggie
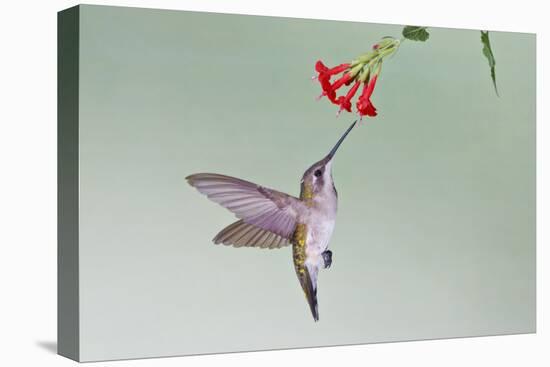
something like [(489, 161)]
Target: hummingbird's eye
[(318, 173)]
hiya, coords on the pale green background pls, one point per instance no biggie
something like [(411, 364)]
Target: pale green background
[(435, 234)]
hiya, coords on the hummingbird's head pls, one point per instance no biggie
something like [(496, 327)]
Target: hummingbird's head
[(318, 178)]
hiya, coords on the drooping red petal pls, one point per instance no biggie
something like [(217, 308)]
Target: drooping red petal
[(328, 91), (324, 77), (371, 110), (366, 108), (320, 67), (364, 104), (345, 102)]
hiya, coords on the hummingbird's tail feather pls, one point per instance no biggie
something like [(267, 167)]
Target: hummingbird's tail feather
[(241, 234), (308, 280)]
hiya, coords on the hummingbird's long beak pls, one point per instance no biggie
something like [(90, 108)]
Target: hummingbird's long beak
[(333, 151)]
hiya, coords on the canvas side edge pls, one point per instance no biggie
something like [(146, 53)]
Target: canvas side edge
[(68, 315)]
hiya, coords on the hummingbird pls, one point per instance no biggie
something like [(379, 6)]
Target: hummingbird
[(273, 219)]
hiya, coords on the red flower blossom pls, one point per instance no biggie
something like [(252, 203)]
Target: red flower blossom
[(345, 102), (324, 77), (364, 70), (343, 80), (364, 104), (327, 89), (322, 69)]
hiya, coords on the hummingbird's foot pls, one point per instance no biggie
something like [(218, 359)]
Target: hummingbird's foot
[(327, 258)]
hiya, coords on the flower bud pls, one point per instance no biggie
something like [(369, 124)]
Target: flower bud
[(364, 76), (366, 58), (384, 43), (355, 70)]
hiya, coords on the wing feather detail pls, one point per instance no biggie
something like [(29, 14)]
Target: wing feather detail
[(241, 234), (259, 206)]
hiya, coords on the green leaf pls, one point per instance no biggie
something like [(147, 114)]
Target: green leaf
[(488, 52), (415, 33)]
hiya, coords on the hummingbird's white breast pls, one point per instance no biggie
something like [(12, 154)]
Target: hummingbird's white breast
[(317, 240), (320, 225)]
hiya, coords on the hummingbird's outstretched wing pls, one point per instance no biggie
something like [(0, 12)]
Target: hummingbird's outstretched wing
[(259, 206), (241, 234)]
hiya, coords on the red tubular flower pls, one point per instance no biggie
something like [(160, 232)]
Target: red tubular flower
[(327, 89), (363, 70), (345, 102), (324, 77), (343, 80), (321, 68), (364, 104), (366, 108)]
